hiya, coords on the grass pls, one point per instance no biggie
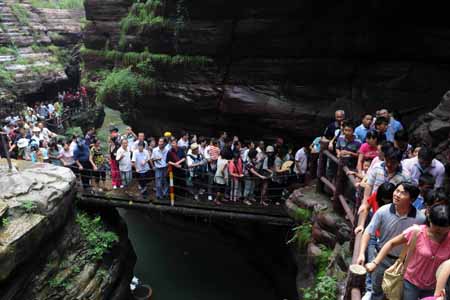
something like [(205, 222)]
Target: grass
[(10, 50), (58, 4), (302, 235), (6, 77), (29, 206), (133, 58), (21, 14)]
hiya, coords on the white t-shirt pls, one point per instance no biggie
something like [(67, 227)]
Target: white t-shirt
[(123, 156), (302, 160), (183, 144), (139, 158), (67, 157)]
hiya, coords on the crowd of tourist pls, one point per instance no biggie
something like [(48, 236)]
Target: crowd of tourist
[(402, 186), (404, 203)]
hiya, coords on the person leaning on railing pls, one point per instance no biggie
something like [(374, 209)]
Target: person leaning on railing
[(390, 220), (431, 250)]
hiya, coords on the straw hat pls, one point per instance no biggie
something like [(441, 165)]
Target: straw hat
[(270, 149), (194, 146)]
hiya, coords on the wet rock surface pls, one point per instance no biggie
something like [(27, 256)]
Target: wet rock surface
[(433, 129), (43, 253), (278, 68)]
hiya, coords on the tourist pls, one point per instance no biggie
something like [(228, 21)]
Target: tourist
[(66, 157), (98, 162), (141, 159), (221, 176), (114, 144), (401, 142), (364, 127), (183, 142), (301, 163), (31, 117), (347, 146), (196, 164), (368, 150), (36, 134), (140, 139), (251, 175), (123, 156), (159, 159), (387, 171), (73, 143), (426, 163), (390, 220), (54, 149), (43, 150), (432, 247), (45, 134), (81, 156), (442, 289), (393, 124), (130, 136), (222, 138), (381, 127), (236, 171), (330, 130), (34, 152), (89, 138), (212, 153), (426, 185), (43, 111), (176, 157)]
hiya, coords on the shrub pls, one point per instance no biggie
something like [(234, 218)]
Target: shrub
[(302, 235), (29, 206), (325, 289), (123, 84), (98, 239)]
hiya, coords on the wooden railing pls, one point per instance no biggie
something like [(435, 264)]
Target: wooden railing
[(337, 186)]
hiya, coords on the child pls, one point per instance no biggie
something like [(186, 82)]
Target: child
[(426, 184), (43, 149)]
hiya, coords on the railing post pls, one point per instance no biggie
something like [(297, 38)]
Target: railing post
[(339, 183), (171, 191), (321, 166)]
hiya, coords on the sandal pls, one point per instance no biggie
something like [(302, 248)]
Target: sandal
[(246, 202)]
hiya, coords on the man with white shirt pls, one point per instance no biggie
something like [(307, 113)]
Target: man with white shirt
[(425, 163), (159, 158), (46, 134), (183, 142), (140, 139), (140, 161)]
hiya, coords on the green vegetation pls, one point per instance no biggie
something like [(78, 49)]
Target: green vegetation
[(302, 215), (325, 289), (5, 221), (58, 282), (73, 131), (99, 240), (323, 260), (58, 4), (133, 58), (29, 206), (123, 84), (10, 50), (21, 14), (302, 235), (6, 77)]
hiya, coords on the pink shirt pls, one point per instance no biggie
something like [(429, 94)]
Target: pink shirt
[(426, 259), (368, 151)]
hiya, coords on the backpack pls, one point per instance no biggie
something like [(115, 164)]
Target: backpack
[(198, 170)]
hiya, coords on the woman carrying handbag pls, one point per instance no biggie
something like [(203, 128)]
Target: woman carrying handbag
[(432, 247)]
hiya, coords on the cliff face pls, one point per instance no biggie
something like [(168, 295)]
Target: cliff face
[(269, 67), (36, 56), (47, 250)]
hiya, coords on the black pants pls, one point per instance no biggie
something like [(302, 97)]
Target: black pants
[(100, 174), (143, 180), (85, 174)]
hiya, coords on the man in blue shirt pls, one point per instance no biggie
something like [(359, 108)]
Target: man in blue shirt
[(393, 126), (362, 129), (81, 155)]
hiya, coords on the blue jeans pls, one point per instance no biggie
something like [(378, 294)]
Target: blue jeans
[(377, 278), (162, 186), (126, 177), (411, 292), (371, 254)]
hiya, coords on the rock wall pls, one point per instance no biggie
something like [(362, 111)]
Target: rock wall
[(36, 57), (275, 67), (433, 129), (43, 252)]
